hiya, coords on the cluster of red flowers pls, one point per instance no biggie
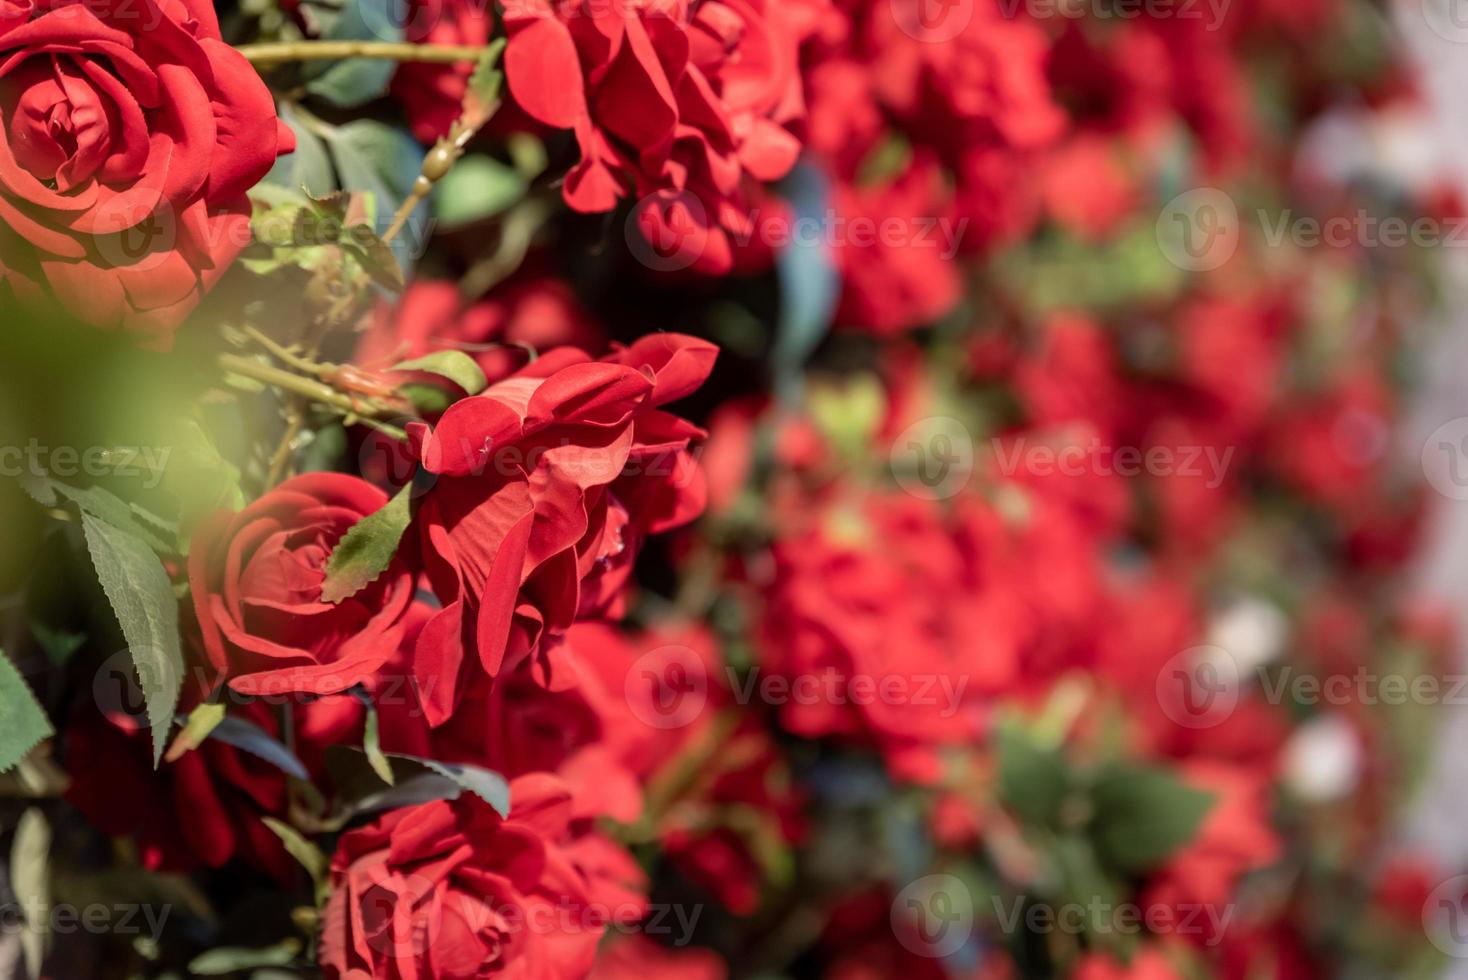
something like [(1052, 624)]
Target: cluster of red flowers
[(978, 599)]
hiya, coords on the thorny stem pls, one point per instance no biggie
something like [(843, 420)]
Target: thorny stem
[(348, 404)]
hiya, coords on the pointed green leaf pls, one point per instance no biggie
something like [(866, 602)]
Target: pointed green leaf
[(22, 722), (142, 597), (368, 547), (454, 365), (1143, 815)]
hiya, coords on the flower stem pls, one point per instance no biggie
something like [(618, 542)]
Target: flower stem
[(274, 54)]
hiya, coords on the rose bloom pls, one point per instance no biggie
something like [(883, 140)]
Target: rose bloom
[(543, 488), (846, 609), (203, 810), (452, 891), (895, 249), (133, 132), (255, 579), (691, 101)]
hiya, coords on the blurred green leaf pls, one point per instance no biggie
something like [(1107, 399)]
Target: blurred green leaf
[(454, 365), (1142, 815), (477, 187)]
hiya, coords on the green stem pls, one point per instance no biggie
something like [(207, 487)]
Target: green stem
[(274, 54), (309, 388)]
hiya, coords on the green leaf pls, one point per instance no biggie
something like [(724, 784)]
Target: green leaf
[(477, 187), (372, 740), (415, 780), (202, 720), (454, 365), (1143, 815), (22, 722), (368, 547), (58, 644), (374, 158), (375, 256), (353, 82), (147, 610), (482, 95), (1033, 781), (111, 510), (310, 165), (489, 786), (230, 959), (30, 883), (311, 857)]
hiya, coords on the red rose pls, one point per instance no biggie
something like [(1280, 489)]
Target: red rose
[(690, 100), (544, 487), (891, 647), (452, 891), (895, 249), (133, 133), (256, 578)]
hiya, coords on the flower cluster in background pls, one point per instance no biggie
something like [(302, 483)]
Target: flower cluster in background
[(715, 489)]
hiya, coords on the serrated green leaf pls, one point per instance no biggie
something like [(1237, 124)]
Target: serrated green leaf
[(489, 786), (111, 510), (375, 256), (1143, 815), (368, 547), (22, 722), (454, 365), (482, 94), (143, 600)]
